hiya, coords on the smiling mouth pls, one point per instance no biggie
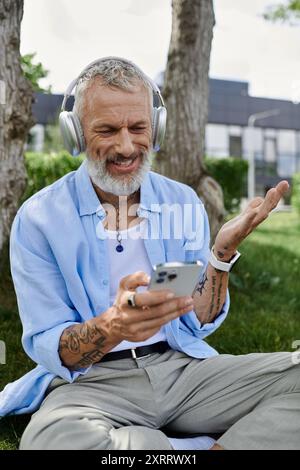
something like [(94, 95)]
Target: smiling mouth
[(123, 165), (124, 162)]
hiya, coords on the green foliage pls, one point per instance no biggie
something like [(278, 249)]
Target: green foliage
[(53, 141), (231, 174), (34, 72), (43, 169), (296, 192), (284, 12)]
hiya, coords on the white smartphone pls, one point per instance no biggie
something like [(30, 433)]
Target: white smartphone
[(179, 277)]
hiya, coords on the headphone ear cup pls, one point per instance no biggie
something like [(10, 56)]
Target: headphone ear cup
[(71, 132), (159, 124)]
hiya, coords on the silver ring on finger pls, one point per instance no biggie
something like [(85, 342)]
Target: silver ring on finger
[(131, 300)]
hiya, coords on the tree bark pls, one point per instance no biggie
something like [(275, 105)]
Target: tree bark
[(15, 114), (186, 94)]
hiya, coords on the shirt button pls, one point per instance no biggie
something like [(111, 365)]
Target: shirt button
[(105, 282)]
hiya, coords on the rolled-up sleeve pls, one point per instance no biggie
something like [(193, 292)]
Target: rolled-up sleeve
[(203, 330), (44, 305)]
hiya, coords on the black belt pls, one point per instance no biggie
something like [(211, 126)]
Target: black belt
[(142, 351)]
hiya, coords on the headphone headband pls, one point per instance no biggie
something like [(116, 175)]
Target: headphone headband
[(70, 126), (74, 82)]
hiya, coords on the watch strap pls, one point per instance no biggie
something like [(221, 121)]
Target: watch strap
[(222, 265)]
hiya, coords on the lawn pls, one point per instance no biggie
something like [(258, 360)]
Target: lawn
[(264, 314)]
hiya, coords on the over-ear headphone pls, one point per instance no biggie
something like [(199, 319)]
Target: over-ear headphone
[(70, 125)]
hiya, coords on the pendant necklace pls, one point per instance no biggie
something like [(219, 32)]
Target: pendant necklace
[(119, 247)]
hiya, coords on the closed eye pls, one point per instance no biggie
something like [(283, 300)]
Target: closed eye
[(107, 131), (137, 128)]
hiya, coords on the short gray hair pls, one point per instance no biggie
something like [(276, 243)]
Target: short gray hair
[(113, 72)]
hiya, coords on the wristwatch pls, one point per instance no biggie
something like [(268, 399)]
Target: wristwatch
[(221, 265)]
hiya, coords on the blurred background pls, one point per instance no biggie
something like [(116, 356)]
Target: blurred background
[(233, 68), (254, 68)]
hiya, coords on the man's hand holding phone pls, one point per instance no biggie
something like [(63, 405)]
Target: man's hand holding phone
[(152, 310)]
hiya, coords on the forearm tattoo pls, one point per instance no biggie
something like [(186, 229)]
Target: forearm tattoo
[(220, 293), (201, 285), (215, 304), (75, 339), (212, 303), (209, 295)]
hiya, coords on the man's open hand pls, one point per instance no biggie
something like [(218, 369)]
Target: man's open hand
[(236, 230)]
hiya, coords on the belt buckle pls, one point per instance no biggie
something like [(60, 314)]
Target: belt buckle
[(134, 356), (133, 353)]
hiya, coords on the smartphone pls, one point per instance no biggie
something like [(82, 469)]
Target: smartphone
[(179, 277)]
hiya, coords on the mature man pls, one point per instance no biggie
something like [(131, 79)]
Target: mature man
[(120, 367)]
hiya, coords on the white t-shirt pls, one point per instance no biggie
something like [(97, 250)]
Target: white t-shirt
[(133, 258)]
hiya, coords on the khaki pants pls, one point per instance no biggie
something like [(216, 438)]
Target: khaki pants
[(252, 400)]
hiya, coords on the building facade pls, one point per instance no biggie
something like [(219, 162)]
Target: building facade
[(274, 141)]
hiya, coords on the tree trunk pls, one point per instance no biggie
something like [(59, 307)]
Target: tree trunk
[(15, 114), (186, 94)]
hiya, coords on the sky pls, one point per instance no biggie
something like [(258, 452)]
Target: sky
[(68, 34)]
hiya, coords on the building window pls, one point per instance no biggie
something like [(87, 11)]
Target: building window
[(235, 146), (286, 165), (216, 140), (270, 150)]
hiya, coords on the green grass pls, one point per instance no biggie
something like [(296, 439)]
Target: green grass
[(264, 313), (265, 291), (17, 363)]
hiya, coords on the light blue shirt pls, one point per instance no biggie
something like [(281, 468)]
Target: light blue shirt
[(60, 270)]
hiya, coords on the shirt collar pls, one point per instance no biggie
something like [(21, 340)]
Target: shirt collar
[(88, 200), (149, 201)]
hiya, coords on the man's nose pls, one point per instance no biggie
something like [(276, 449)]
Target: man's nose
[(124, 144)]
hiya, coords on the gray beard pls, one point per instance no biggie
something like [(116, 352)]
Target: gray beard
[(120, 186)]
